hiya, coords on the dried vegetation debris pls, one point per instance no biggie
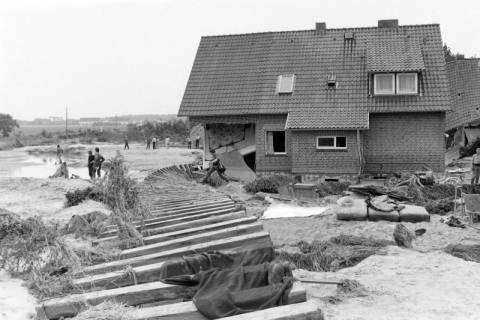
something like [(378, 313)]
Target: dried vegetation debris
[(334, 254)]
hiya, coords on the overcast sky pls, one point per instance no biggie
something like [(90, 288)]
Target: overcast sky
[(106, 57)]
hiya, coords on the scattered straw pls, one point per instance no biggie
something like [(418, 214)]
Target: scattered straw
[(465, 252), (108, 310)]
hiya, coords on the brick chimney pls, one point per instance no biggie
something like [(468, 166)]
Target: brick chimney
[(320, 26), (390, 23)]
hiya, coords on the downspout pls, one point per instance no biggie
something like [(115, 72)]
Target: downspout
[(360, 156), (204, 145)]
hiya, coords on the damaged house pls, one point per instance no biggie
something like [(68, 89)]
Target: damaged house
[(463, 121), (323, 102)]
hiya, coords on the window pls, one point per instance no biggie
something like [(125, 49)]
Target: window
[(406, 83), (395, 83), (384, 83), (276, 142), (285, 83), (332, 142)]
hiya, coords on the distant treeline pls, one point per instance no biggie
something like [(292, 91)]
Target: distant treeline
[(176, 130)]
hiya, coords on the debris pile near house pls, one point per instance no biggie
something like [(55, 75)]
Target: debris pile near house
[(187, 218)]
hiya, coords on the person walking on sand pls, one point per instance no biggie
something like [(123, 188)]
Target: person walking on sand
[(148, 143), (197, 142), (154, 143), (476, 167), (126, 144), (90, 165), (215, 165), (59, 154), (189, 143), (98, 160)]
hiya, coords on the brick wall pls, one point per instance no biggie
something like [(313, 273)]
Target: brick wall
[(405, 141), (307, 159)]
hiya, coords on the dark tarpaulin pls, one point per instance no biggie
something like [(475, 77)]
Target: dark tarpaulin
[(193, 264), (228, 292)]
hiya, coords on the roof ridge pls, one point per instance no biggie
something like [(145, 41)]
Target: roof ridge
[(313, 30)]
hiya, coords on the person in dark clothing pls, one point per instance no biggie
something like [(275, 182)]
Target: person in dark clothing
[(197, 142), (98, 160), (90, 164), (148, 143), (215, 165), (126, 144)]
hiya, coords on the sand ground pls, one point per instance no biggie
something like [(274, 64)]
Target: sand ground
[(423, 283)]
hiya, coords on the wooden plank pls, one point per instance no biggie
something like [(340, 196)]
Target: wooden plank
[(69, 306), (153, 225), (299, 311), (184, 225), (260, 239), (191, 240), (190, 204), (159, 218), (195, 207), (136, 275), (188, 311)]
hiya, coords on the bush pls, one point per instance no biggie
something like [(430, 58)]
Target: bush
[(331, 188), (78, 195), (440, 207), (470, 149), (268, 184)]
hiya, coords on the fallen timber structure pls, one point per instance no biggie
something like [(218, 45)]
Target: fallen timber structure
[(187, 218)]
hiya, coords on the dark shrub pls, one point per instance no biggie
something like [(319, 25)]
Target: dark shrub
[(79, 195), (268, 184), (331, 188)]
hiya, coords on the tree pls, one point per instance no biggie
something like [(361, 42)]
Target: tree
[(450, 56), (7, 124)]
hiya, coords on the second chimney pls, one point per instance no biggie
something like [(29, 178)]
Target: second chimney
[(320, 26), (390, 23)]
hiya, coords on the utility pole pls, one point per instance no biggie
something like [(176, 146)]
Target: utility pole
[(66, 122)]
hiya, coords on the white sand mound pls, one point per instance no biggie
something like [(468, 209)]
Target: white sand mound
[(285, 210), (407, 284), (15, 301)]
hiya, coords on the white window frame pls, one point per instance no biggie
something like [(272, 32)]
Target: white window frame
[(375, 84), (266, 142), (279, 81), (406, 74), (334, 142)]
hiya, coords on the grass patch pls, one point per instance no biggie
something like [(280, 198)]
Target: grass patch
[(334, 254), (465, 252), (268, 184)]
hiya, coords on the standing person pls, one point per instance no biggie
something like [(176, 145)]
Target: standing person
[(154, 143), (59, 154), (167, 142), (90, 165), (197, 142), (189, 143), (148, 143), (99, 159), (215, 165), (126, 144), (476, 167)]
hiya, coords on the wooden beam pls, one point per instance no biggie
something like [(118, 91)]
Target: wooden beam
[(135, 275), (153, 225), (191, 231), (299, 311), (71, 305), (184, 225), (191, 240), (258, 239)]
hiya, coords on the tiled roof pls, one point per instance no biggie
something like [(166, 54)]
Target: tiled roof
[(394, 52), (237, 74), (464, 76), (327, 118)]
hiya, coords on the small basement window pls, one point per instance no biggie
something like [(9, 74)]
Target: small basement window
[(285, 83), (384, 83), (276, 143), (333, 142)]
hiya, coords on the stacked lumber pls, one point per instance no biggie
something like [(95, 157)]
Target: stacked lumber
[(188, 218)]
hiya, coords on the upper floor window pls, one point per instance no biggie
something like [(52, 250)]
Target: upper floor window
[(395, 83), (285, 83)]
